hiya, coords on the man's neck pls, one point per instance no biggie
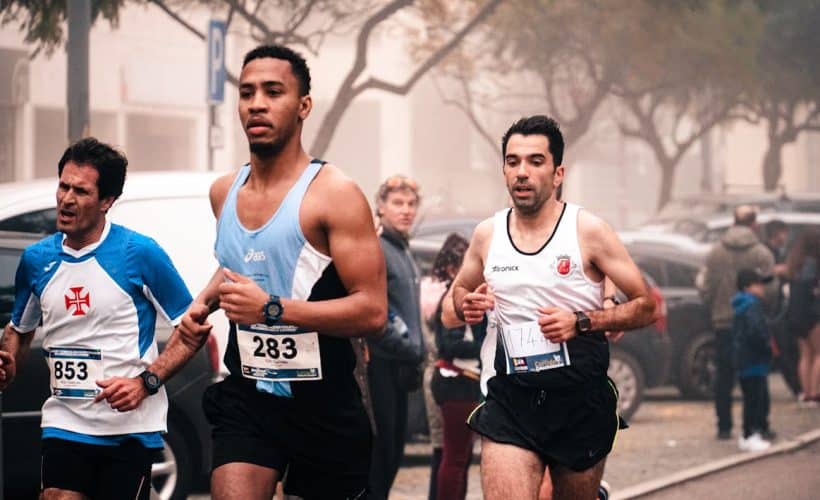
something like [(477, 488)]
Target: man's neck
[(80, 241), (546, 217), (289, 161)]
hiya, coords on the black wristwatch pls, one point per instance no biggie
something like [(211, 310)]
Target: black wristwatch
[(582, 322), (272, 311), (151, 382)]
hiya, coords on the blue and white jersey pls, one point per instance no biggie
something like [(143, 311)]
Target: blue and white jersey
[(98, 307), (283, 360)]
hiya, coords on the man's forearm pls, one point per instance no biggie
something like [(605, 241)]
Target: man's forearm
[(15, 343), (178, 351), (633, 314), (452, 314)]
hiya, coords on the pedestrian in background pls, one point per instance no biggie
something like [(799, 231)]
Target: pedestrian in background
[(431, 289), (753, 353), (395, 363), (455, 383), (739, 248), (803, 311), (786, 352)]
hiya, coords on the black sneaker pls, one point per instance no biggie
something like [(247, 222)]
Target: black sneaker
[(724, 435)]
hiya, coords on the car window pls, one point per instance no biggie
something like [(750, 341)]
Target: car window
[(680, 275), (39, 221), (8, 268), (184, 227)]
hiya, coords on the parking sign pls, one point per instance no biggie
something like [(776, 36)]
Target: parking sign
[(216, 61)]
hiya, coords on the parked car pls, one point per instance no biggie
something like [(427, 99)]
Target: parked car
[(640, 359), (675, 268), (714, 228), (686, 215), (181, 465)]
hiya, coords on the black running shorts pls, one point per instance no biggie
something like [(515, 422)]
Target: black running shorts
[(574, 427), (324, 449), (98, 472)]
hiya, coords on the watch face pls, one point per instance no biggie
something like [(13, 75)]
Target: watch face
[(152, 380), (274, 309)]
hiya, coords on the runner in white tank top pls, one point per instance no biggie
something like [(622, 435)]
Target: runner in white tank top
[(537, 269)]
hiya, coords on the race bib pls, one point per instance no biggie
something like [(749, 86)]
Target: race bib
[(278, 353), (74, 372), (527, 350)]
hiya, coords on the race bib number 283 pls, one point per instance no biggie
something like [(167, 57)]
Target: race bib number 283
[(280, 353), (74, 372)]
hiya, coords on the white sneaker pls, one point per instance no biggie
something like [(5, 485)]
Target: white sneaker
[(802, 402), (753, 443)]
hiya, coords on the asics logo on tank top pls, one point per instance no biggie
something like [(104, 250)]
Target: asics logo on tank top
[(564, 265), (76, 300), (254, 256), (504, 269)]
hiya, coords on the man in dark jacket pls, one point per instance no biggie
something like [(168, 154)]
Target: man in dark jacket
[(739, 248), (753, 353), (395, 359)]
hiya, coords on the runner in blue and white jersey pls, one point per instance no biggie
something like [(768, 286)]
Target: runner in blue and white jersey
[(96, 289)]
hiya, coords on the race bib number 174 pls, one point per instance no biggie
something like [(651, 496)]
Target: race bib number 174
[(527, 350)]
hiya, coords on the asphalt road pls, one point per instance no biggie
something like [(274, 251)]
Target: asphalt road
[(795, 476)]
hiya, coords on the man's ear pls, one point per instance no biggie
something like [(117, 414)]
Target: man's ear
[(558, 178), (305, 106), (107, 203)]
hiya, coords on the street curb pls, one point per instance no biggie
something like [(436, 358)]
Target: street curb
[(654, 485)]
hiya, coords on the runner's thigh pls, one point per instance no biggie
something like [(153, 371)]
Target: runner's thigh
[(568, 484), (508, 471)]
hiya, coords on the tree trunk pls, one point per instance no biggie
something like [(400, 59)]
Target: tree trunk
[(667, 183), (772, 165)]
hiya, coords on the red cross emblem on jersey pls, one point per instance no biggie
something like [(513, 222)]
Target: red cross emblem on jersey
[(77, 301)]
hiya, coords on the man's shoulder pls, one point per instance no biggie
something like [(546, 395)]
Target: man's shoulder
[(332, 180), (42, 250)]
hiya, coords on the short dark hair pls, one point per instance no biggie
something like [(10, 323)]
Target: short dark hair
[(538, 125), (111, 165), (774, 227), (297, 62)]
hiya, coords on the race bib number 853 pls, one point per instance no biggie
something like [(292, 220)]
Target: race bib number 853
[(75, 371)]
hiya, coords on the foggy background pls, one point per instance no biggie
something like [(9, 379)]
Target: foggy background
[(657, 100)]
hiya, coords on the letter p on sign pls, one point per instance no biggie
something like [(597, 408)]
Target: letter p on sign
[(216, 61)]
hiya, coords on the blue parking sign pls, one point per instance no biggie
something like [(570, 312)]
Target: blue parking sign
[(216, 61)]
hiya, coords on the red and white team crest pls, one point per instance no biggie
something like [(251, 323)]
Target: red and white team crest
[(563, 265), (77, 300)]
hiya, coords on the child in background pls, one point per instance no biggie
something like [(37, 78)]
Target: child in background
[(753, 354)]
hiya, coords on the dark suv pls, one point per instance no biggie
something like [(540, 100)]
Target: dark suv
[(181, 465)]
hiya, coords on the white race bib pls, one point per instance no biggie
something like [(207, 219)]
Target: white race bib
[(527, 350), (74, 372), (278, 353)]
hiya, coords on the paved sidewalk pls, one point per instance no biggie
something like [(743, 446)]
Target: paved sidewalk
[(667, 435)]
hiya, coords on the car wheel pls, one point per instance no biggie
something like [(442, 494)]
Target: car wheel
[(171, 472), (696, 379), (628, 376)]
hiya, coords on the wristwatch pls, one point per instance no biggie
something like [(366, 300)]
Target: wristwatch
[(582, 322), (272, 311), (151, 382)]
